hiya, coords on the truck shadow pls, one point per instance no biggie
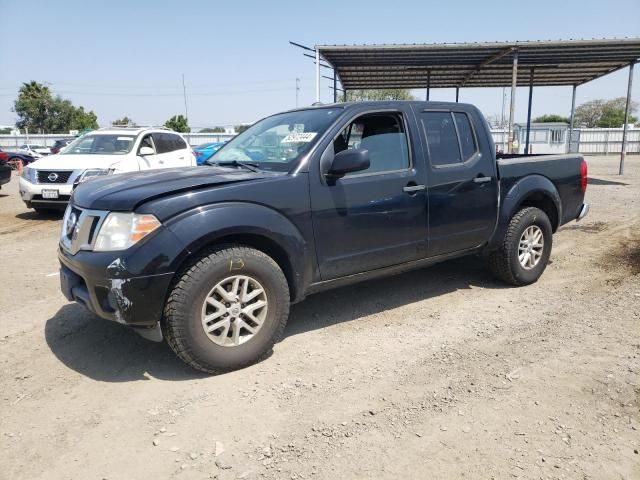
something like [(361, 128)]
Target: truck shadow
[(371, 297), (109, 352)]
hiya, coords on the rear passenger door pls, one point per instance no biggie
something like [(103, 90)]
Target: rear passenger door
[(461, 181), (172, 150)]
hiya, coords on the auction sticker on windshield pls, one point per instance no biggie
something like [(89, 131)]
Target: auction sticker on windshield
[(299, 137)]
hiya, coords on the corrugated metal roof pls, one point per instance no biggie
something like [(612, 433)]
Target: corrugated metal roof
[(447, 65)]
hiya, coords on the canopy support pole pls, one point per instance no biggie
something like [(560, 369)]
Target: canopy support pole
[(428, 85), (335, 87), (512, 108), (573, 113), (317, 75), (344, 95), (623, 152), (457, 94), (526, 145)]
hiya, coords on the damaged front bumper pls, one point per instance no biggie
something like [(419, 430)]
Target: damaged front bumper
[(101, 282)]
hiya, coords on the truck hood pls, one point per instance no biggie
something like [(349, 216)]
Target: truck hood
[(125, 191), (75, 162)]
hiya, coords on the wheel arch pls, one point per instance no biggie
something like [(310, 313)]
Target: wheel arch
[(531, 191), (248, 225)]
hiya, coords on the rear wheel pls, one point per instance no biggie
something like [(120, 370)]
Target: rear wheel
[(227, 309), (525, 250)]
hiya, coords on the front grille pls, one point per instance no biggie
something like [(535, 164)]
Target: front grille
[(79, 228), (53, 176)]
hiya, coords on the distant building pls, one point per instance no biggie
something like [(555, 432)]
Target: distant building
[(543, 137)]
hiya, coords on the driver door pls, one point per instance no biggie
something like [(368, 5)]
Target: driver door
[(377, 217)]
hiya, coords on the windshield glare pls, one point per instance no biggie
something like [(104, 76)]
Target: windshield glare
[(277, 142), (100, 145)]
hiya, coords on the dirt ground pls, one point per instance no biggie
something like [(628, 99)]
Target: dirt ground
[(439, 373)]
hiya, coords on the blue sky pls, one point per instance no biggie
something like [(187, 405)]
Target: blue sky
[(127, 57)]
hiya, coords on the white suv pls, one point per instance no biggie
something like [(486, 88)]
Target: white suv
[(49, 181)]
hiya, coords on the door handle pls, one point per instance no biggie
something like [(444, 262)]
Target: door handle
[(482, 179), (413, 188)]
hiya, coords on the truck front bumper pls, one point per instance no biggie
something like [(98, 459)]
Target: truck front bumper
[(99, 282)]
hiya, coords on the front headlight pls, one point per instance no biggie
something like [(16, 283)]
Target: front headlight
[(29, 174), (122, 230)]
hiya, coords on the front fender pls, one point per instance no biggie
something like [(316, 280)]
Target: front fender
[(202, 226), (514, 197)]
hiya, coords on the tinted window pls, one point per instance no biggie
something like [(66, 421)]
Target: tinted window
[(441, 138), (465, 133), (383, 135), (178, 143), (164, 142)]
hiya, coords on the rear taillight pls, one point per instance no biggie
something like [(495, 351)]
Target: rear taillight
[(583, 176)]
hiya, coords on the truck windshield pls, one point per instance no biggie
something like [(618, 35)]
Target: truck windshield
[(277, 142), (100, 145)]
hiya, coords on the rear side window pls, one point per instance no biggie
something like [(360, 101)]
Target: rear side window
[(465, 133), (164, 142), (442, 140), (179, 143)]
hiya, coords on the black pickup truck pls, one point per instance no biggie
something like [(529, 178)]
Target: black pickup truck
[(211, 257)]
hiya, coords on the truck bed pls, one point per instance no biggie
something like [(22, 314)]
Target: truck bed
[(562, 170)]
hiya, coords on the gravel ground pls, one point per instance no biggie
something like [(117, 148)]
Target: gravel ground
[(438, 373)]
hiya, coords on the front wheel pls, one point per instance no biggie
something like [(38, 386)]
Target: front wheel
[(525, 250), (227, 309)]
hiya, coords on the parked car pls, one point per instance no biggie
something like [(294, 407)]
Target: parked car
[(16, 160), (206, 150), (210, 258), (48, 182), (5, 169), (60, 144), (33, 150)]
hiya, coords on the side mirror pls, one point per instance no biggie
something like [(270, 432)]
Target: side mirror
[(144, 151), (347, 161)]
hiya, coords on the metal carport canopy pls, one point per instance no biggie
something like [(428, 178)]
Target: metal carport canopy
[(451, 65)]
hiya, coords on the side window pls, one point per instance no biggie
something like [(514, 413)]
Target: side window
[(383, 135), (146, 142), (163, 142), (465, 133), (442, 140), (178, 143)]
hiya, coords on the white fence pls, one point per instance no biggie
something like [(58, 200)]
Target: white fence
[(593, 141)]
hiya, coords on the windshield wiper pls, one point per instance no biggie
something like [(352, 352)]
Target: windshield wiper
[(236, 163)]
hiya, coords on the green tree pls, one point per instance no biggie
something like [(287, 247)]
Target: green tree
[(553, 118), (178, 123), (39, 110), (212, 130), (604, 113), (370, 95), (33, 106), (123, 122), (241, 128), (5, 131)]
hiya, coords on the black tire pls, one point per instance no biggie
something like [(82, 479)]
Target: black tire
[(182, 321), (504, 262)]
